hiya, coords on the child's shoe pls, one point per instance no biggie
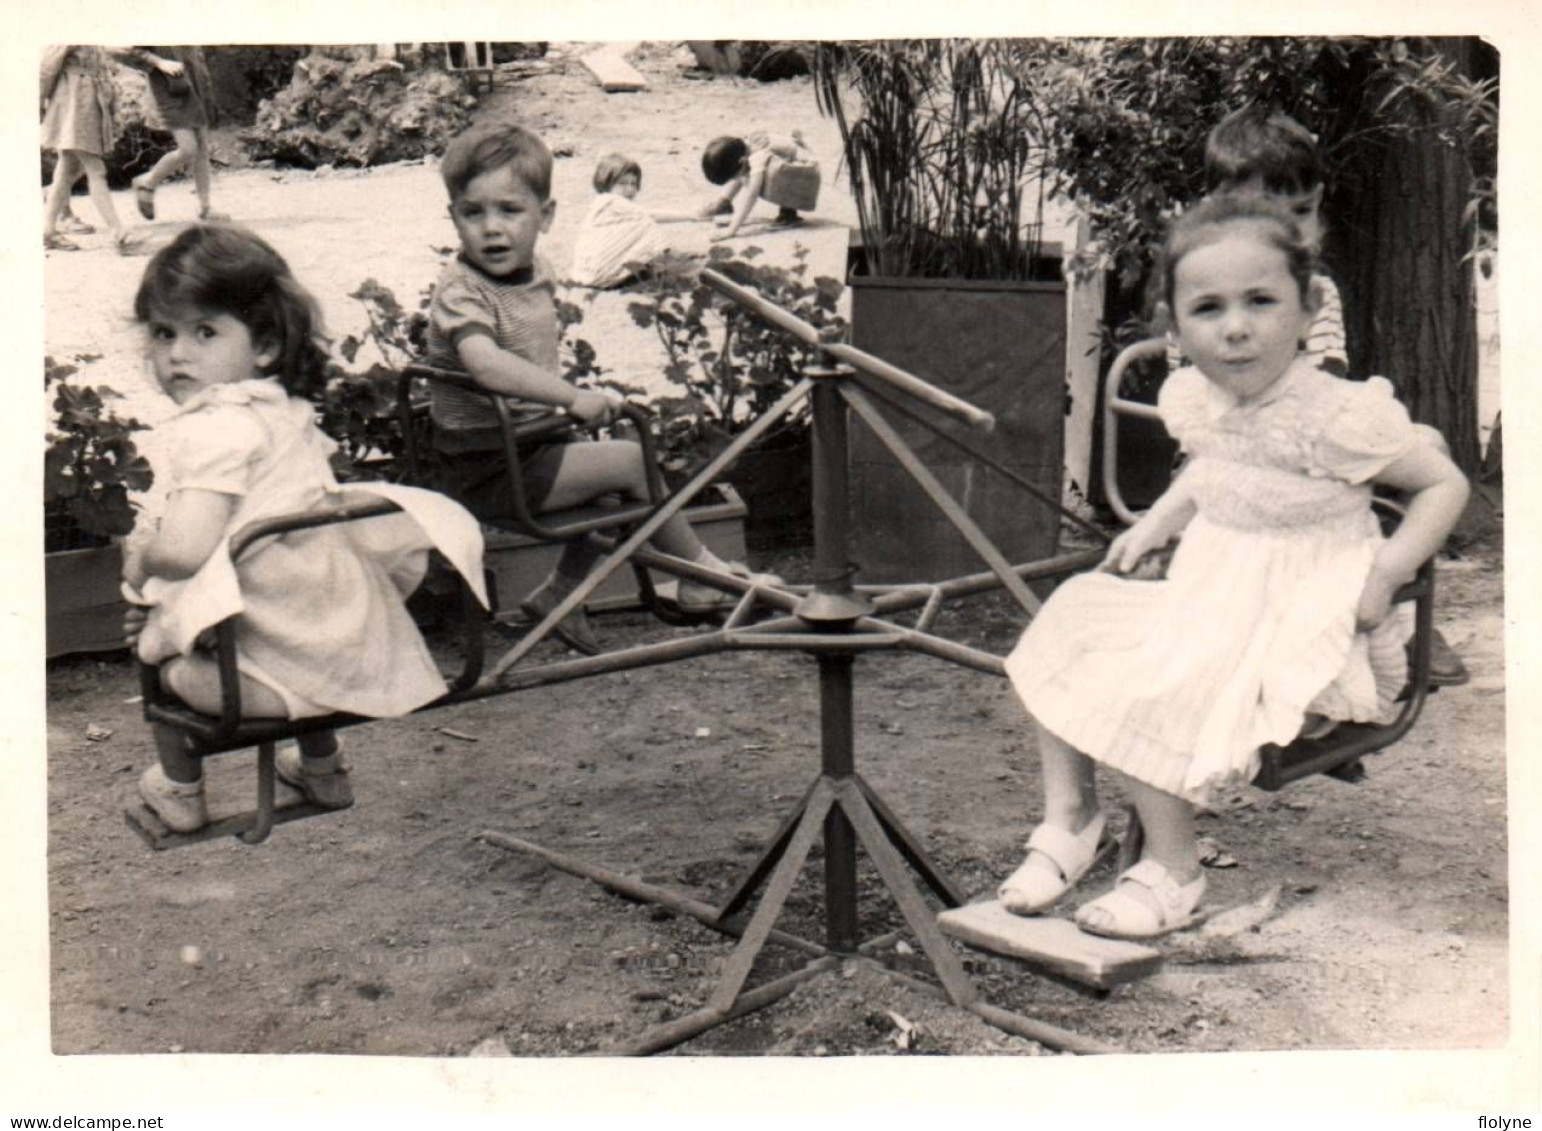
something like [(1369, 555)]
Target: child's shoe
[(1446, 667), (180, 805), (329, 788), (699, 600), (574, 630)]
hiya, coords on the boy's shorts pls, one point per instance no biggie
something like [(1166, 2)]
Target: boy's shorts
[(792, 184), (479, 481)]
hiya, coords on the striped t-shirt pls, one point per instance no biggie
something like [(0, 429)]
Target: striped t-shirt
[(1324, 345), (519, 314)]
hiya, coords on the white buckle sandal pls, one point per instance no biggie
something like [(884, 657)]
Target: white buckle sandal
[(1030, 890), (1120, 915)]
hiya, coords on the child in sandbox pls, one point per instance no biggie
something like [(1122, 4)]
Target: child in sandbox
[(322, 625), (760, 166), (618, 236), (493, 315), (1277, 607)]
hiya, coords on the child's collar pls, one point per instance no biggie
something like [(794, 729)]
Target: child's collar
[(519, 277), (236, 393)]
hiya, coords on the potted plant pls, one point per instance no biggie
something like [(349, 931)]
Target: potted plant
[(90, 465), (728, 368), (952, 282)]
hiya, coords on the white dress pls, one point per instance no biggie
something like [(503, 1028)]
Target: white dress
[(614, 233), (1179, 682), (322, 616)]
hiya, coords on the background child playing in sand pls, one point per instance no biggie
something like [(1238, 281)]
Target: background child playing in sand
[(760, 166), (617, 235)]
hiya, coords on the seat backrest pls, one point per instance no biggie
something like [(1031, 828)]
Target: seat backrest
[(1115, 407)]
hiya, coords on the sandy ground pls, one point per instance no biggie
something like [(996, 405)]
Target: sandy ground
[(393, 929)]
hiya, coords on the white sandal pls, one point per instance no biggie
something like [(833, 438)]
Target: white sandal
[(1030, 890), (1121, 915)]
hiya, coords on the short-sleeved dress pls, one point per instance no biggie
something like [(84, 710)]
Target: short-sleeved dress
[(77, 81), (1179, 682), (322, 618)]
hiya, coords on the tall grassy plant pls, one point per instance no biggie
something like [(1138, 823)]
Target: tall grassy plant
[(943, 155)]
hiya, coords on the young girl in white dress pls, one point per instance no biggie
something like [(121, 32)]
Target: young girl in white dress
[(617, 234), (1277, 605), (323, 627)]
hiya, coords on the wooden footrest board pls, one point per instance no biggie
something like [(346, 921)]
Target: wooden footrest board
[(1056, 945), (225, 819)]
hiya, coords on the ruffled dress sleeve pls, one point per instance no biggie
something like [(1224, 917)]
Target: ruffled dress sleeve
[(1365, 431), (1184, 404), (214, 448)]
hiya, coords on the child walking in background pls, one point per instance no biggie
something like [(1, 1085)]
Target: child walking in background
[(760, 166), (78, 123), (493, 315), (1252, 149), (617, 235), (1277, 605), (235, 342), (184, 99)]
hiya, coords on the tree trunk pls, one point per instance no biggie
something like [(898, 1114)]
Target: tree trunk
[(1409, 302)]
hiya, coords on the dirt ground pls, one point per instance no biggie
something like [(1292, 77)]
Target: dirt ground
[(1371, 916)]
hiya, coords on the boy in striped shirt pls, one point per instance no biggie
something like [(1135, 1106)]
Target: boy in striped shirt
[(493, 315)]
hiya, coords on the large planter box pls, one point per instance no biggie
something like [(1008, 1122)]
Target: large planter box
[(1000, 346), (83, 604), (517, 564), (775, 480)]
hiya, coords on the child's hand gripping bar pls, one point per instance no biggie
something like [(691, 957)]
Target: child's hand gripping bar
[(858, 359)]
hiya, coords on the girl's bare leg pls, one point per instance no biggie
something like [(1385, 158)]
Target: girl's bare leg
[(195, 680), (67, 171), (1171, 838), (186, 151), (1070, 794), (203, 172), (96, 177)]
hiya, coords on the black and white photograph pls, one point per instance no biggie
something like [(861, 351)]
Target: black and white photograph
[(978, 551)]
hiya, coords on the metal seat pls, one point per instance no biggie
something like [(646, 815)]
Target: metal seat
[(209, 735)]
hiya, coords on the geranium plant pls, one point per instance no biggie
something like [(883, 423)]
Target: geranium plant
[(727, 366), (357, 408), (90, 464)]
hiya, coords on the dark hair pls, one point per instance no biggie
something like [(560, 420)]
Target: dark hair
[(482, 149), (1207, 221), (1253, 142), (228, 270), (722, 158), (612, 167)]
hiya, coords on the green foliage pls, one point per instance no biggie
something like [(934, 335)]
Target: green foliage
[(357, 408), (90, 464), (728, 366), (944, 156), (1126, 119)]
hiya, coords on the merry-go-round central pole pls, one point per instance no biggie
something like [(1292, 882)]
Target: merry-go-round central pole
[(834, 605)]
